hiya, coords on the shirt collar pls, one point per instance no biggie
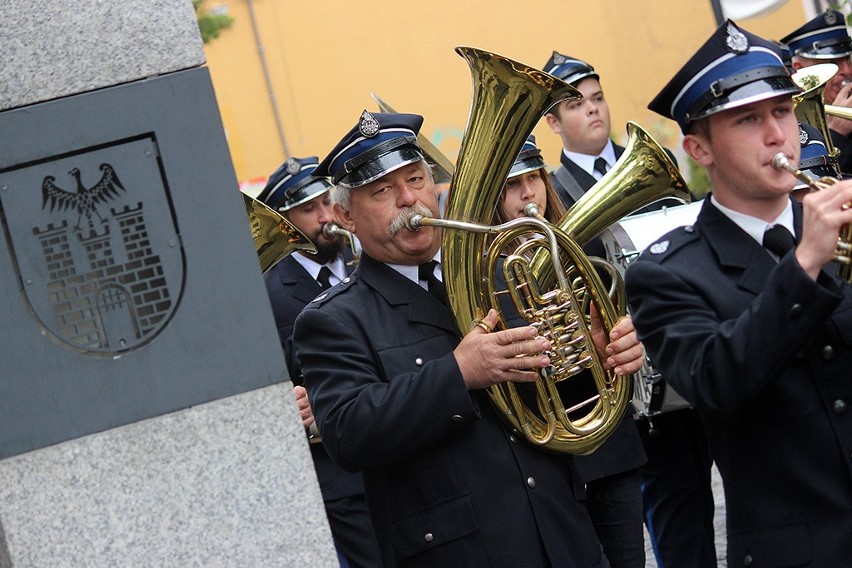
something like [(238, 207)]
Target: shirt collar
[(411, 272), (312, 267), (756, 227), (587, 161)]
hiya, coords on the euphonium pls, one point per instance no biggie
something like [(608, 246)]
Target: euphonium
[(274, 236), (809, 106), (843, 253), (508, 99)]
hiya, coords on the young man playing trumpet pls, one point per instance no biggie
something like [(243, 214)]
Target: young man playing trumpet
[(746, 316)]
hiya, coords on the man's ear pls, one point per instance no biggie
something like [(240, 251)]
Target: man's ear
[(344, 217), (553, 122), (797, 65), (698, 149)]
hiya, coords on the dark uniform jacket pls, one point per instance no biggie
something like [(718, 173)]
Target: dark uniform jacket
[(290, 289), (764, 354), (622, 451), (447, 483)]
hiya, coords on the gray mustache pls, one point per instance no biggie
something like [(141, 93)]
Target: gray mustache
[(401, 220)]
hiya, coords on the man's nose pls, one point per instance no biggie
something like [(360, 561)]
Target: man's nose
[(405, 196)]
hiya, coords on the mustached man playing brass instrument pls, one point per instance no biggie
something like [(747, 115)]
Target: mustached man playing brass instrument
[(745, 315), (398, 395), (292, 283)]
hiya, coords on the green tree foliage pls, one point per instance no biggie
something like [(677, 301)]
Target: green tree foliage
[(210, 24)]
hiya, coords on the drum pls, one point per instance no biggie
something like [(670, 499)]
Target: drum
[(624, 241)]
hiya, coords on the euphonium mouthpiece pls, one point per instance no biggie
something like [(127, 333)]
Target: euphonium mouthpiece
[(414, 222), (532, 210)]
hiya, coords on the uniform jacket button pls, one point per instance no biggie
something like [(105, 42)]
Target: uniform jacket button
[(531, 481), (839, 406), (428, 537), (346, 280), (419, 361), (827, 353), (747, 560), (796, 310), (458, 418)]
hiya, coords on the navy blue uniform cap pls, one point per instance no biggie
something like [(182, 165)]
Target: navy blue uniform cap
[(293, 184), (824, 37), (569, 69), (733, 68), (529, 159), (815, 161), (379, 144)]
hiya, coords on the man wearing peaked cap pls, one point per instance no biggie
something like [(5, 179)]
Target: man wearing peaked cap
[(400, 397), (746, 316), (292, 283), (825, 39)]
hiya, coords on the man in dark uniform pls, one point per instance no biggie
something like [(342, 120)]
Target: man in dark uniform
[(673, 486), (398, 395), (756, 338), (825, 39), (292, 284)]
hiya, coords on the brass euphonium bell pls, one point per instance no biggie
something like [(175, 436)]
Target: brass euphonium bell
[(274, 236), (508, 100)]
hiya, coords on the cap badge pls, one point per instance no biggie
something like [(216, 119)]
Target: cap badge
[(368, 126), (830, 17), (803, 136), (292, 166), (558, 58), (659, 248), (736, 41)]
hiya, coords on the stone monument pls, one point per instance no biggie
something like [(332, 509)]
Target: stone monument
[(146, 415)]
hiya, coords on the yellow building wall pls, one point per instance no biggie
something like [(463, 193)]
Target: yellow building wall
[(325, 57)]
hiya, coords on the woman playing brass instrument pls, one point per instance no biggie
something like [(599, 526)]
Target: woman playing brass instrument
[(611, 473)]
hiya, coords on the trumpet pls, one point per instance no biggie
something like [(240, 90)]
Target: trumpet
[(843, 253), (332, 229)]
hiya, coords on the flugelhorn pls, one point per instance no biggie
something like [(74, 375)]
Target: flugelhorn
[(508, 99), (843, 252), (274, 236)]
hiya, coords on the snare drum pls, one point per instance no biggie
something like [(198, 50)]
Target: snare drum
[(624, 241)]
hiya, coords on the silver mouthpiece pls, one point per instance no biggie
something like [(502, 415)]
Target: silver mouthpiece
[(532, 210), (414, 222), (781, 162), (331, 230)]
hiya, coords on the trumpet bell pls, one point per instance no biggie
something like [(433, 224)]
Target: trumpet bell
[(274, 236), (809, 106)]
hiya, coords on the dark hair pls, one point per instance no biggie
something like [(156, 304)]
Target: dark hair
[(700, 127)]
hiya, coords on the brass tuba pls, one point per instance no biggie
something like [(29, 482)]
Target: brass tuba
[(508, 99), (274, 236)]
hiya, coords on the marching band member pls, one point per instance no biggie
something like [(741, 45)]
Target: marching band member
[(756, 338), (398, 395), (292, 283)]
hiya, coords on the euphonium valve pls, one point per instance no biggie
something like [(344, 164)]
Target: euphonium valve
[(843, 253)]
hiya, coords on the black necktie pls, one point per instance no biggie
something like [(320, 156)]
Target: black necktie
[(600, 166), (778, 240), (323, 278), (426, 272)]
